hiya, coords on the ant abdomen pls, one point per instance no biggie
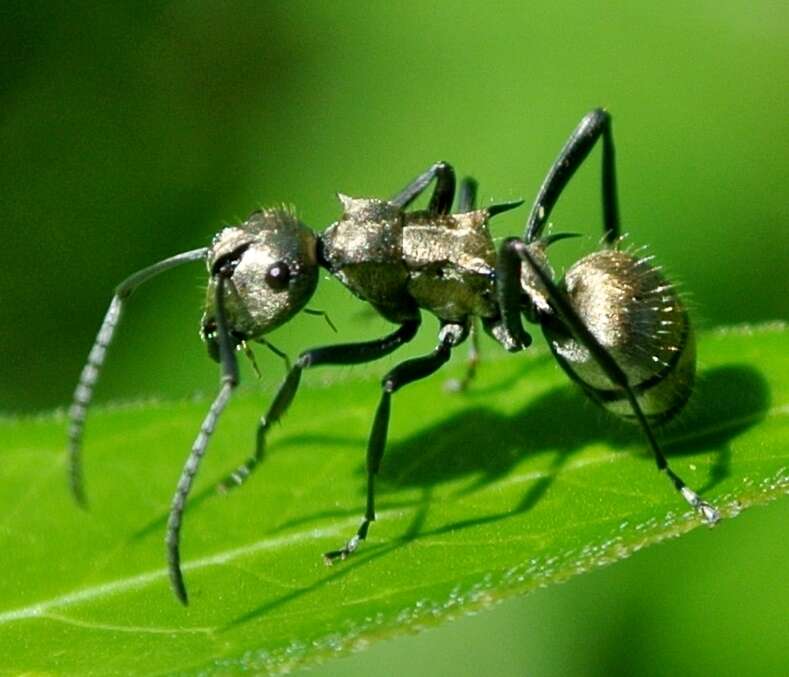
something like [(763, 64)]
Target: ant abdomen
[(636, 314)]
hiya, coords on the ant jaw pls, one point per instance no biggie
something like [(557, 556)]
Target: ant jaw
[(209, 335)]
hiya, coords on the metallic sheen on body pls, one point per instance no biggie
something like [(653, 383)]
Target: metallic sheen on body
[(614, 323), (267, 237), (637, 316), (400, 262)]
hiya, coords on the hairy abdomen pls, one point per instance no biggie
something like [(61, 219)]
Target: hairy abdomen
[(637, 316)]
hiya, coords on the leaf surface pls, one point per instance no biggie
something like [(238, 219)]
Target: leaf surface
[(516, 484)]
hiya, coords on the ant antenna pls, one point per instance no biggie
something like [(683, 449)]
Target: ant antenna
[(92, 369)]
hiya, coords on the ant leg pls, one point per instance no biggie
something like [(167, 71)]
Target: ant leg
[(467, 202), (607, 363), (510, 295), (348, 353), (324, 315), (467, 195), (228, 381), (472, 361), (595, 124), (279, 353), (443, 193), (404, 373), (90, 372)]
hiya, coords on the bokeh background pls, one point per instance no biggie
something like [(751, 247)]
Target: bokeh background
[(130, 131)]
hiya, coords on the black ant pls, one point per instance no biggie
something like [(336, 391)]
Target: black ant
[(614, 323)]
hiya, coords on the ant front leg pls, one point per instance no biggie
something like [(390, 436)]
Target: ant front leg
[(343, 354), (404, 373), (594, 125), (443, 193)]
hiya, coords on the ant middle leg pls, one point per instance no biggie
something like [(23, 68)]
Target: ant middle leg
[(467, 202), (459, 385), (443, 193), (404, 373), (343, 354), (467, 195)]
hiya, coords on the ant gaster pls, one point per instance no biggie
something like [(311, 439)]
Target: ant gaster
[(614, 323)]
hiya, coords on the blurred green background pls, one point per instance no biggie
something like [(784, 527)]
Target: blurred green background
[(132, 131)]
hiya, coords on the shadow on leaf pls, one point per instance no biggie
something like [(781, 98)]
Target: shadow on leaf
[(484, 445), (728, 401)]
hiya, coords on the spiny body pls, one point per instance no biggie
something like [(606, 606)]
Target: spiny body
[(614, 323), (403, 262), (400, 262)]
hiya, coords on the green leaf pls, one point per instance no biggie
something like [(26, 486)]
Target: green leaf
[(518, 483)]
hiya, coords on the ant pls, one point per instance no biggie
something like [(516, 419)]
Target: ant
[(614, 323)]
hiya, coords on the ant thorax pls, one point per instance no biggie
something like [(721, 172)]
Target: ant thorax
[(400, 262), (364, 250), (451, 259)]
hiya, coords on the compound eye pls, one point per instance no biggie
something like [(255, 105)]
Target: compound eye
[(278, 276)]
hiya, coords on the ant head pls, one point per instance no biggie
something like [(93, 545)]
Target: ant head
[(270, 267)]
